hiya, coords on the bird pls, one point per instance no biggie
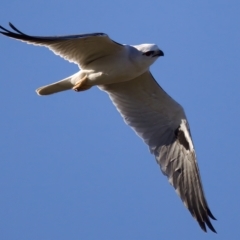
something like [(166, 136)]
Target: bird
[(122, 71)]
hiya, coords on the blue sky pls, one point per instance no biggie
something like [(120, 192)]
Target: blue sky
[(71, 169)]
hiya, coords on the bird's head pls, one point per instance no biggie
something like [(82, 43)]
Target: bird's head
[(149, 52)]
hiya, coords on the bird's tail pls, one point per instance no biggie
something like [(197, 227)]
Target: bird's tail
[(59, 86)]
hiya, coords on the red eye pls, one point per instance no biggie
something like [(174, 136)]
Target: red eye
[(149, 53)]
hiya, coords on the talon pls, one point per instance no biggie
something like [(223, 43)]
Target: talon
[(81, 85), (77, 86)]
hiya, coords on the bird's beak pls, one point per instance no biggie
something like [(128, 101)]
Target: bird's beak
[(159, 53)]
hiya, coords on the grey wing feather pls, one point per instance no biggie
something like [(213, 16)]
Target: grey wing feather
[(81, 49), (145, 107), (161, 123)]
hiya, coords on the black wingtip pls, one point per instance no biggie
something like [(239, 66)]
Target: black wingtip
[(15, 29), (4, 29), (210, 226), (208, 223), (202, 226), (11, 25), (210, 214), (14, 33)]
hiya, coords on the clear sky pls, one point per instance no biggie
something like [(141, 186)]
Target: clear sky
[(69, 166)]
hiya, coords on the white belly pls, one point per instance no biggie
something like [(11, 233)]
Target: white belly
[(112, 70)]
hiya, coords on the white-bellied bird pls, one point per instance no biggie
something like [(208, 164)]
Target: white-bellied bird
[(122, 71)]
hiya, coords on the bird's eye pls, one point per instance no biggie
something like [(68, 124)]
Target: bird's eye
[(148, 53)]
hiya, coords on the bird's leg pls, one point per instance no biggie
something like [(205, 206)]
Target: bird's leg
[(81, 85)]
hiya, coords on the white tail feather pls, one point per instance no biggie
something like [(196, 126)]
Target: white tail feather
[(59, 86)]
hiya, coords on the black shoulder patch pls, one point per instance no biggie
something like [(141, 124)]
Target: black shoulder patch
[(181, 138)]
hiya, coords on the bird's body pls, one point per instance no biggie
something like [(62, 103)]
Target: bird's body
[(103, 71), (123, 72)]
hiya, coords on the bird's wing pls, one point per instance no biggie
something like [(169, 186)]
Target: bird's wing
[(81, 49), (161, 123)]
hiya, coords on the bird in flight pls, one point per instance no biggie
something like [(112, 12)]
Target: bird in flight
[(122, 71)]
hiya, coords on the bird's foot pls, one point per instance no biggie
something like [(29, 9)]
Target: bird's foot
[(81, 85)]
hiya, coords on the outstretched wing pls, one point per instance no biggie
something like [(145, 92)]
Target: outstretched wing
[(161, 123), (81, 49)]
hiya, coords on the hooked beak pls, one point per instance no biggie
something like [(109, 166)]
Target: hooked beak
[(159, 53)]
